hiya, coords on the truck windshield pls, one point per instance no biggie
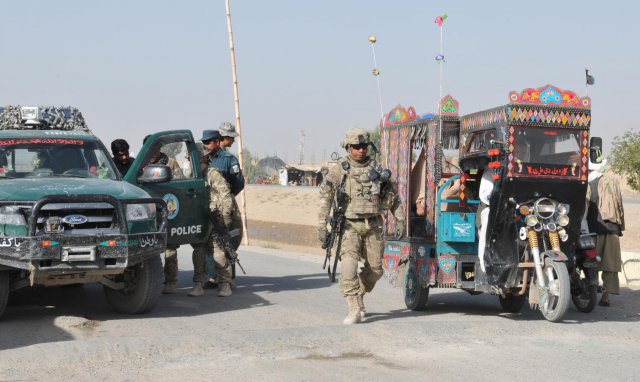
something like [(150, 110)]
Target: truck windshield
[(547, 146), (54, 157)]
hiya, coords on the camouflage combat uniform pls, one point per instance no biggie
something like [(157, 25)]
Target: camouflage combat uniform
[(363, 231), (221, 203)]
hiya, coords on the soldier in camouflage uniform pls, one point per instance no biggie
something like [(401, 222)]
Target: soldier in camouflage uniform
[(222, 209), (367, 198)]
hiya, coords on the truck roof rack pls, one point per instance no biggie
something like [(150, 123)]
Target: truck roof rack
[(13, 117)]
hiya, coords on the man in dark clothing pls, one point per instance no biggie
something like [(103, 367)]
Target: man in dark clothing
[(120, 151)]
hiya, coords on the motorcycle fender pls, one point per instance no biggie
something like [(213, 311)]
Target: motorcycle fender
[(554, 255), (592, 276)]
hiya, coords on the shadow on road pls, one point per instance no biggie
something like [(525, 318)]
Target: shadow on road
[(41, 315), (624, 308)]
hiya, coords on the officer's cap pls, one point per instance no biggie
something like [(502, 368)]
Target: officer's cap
[(208, 135), (227, 129)]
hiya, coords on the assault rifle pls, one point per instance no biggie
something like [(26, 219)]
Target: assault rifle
[(336, 223), (223, 238)]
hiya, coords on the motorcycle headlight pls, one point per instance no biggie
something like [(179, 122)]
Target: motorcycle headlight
[(531, 220), (563, 220), (137, 212), (545, 208), (563, 209), (563, 235)]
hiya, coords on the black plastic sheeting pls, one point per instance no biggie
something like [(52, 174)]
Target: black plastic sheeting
[(502, 253)]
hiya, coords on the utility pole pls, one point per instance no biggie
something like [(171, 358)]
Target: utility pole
[(236, 101), (301, 146)]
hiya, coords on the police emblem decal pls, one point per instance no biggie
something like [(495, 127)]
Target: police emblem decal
[(173, 205)]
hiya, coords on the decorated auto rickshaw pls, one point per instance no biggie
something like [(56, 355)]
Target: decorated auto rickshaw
[(529, 159)]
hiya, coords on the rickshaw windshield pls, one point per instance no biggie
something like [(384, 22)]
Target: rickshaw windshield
[(547, 146)]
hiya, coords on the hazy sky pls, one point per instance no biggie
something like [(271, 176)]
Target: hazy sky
[(137, 67)]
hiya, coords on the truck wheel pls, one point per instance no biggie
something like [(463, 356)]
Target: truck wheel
[(4, 291), (415, 296), (143, 286)]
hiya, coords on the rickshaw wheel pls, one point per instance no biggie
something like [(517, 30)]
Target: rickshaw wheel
[(415, 296), (557, 278), (511, 303)]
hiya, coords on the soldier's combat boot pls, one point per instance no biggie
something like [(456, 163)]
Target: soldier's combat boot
[(363, 311), (354, 311), (197, 290), (224, 290), (169, 288)]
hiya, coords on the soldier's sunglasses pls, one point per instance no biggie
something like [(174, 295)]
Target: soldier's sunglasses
[(360, 146)]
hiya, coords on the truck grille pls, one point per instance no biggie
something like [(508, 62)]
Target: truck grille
[(77, 218)]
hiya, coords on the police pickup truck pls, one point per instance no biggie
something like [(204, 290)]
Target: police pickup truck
[(67, 216)]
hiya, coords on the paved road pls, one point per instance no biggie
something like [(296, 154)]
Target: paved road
[(284, 323)]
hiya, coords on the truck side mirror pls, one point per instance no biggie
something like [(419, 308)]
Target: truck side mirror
[(595, 150), (155, 174)]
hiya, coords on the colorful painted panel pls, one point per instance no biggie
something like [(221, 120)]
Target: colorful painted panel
[(396, 158), (394, 253), (447, 271), (430, 174), (399, 115), (549, 95), (448, 106), (427, 270), (547, 117)]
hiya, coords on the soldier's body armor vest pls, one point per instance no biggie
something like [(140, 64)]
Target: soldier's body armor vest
[(364, 194)]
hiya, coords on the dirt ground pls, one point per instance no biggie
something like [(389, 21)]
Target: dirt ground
[(268, 207)]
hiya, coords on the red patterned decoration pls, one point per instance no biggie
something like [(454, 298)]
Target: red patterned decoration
[(549, 95)]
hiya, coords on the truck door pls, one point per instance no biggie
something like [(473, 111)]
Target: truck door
[(186, 195)]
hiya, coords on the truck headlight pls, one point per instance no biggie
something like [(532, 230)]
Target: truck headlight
[(12, 215), (137, 212)]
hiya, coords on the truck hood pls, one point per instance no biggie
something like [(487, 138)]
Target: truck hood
[(34, 189)]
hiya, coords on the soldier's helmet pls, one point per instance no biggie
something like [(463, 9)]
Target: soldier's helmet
[(355, 136), (227, 129)]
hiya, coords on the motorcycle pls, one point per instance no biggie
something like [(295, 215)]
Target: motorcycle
[(584, 275)]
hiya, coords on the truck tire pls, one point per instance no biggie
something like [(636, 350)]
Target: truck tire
[(142, 290), (4, 291)]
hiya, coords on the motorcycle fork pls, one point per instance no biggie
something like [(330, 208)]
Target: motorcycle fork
[(532, 235)]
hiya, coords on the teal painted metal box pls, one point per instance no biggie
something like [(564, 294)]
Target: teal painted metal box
[(458, 227)]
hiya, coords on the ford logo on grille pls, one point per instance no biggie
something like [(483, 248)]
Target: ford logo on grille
[(75, 219)]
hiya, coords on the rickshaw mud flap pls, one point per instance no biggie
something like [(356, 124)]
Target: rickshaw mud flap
[(396, 259)]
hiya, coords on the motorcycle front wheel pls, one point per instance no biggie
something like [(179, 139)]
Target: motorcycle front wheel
[(559, 290), (587, 297)]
